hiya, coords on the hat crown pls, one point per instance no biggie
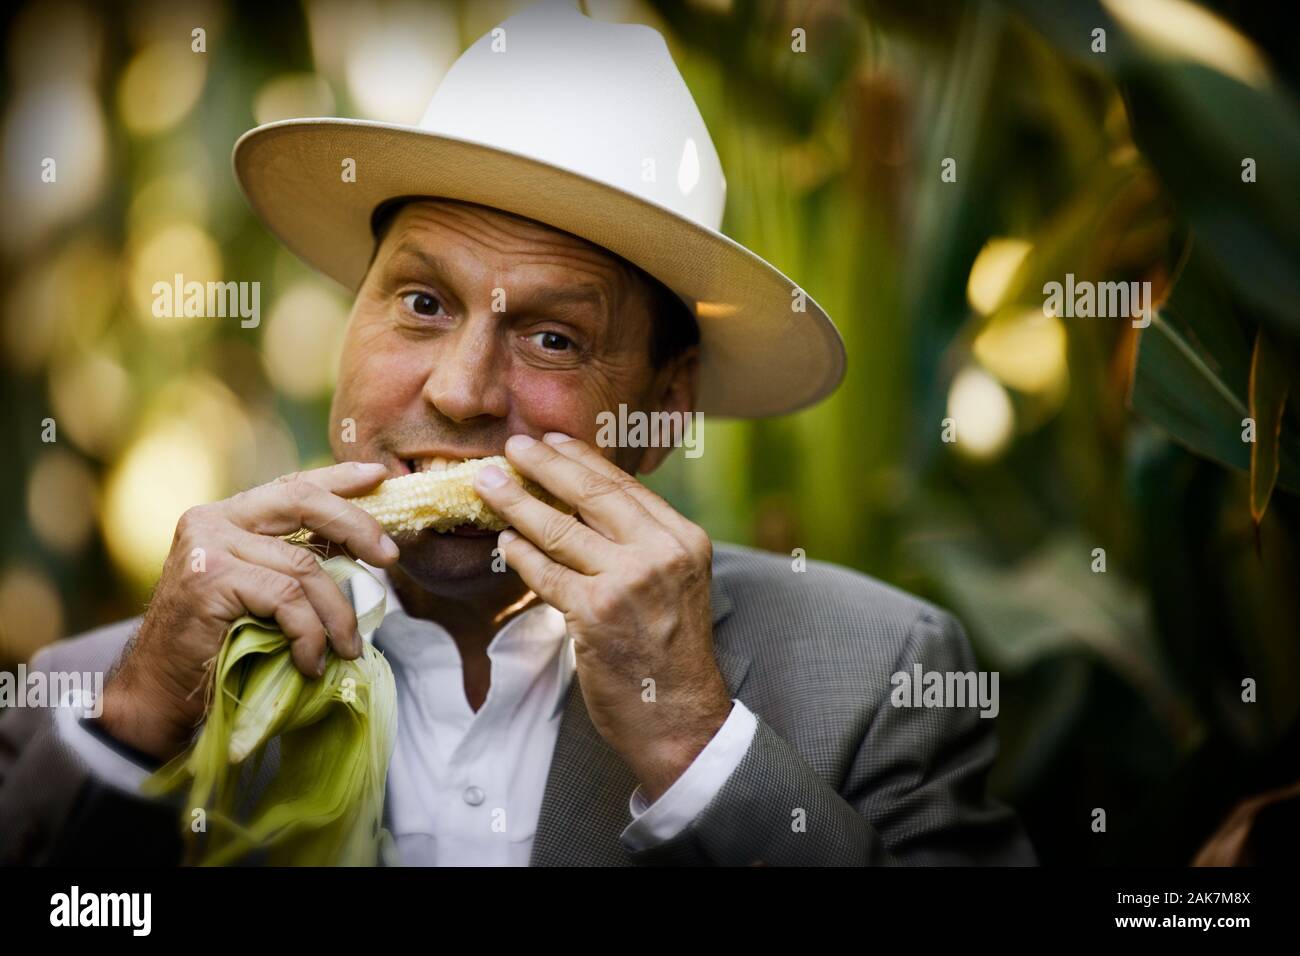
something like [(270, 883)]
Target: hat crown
[(603, 100)]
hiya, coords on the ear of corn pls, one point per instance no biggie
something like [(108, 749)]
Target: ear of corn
[(441, 500), (335, 736)]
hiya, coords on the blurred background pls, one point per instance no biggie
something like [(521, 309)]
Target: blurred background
[(922, 167)]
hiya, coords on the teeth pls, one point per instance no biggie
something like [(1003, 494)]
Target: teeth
[(436, 463)]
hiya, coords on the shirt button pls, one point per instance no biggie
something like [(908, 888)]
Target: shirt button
[(473, 796)]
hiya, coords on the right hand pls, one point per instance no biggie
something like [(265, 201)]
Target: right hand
[(156, 698)]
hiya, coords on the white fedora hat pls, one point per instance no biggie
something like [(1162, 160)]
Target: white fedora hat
[(589, 128)]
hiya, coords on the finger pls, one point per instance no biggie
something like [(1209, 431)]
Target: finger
[(557, 585), (268, 593), (602, 501), (579, 451), (293, 502), (331, 606), (347, 478), (563, 537)]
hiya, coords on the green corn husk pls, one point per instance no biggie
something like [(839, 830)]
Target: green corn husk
[(324, 806)]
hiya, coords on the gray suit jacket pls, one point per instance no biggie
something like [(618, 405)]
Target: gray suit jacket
[(809, 653)]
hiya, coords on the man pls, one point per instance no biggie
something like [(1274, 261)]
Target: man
[(625, 693)]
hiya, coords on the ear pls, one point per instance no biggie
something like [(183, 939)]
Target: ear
[(674, 390)]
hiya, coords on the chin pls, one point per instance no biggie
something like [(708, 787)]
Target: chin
[(433, 557)]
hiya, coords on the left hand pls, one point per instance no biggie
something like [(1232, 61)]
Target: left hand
[(632, 579)]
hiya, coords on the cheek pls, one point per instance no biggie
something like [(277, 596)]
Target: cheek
[(376, 377), (553, 403)]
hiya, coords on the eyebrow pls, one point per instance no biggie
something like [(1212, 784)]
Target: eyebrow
[(547, 298), (427, 259), (558, 297)]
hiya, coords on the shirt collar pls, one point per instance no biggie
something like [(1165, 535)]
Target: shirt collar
[(532, 640)]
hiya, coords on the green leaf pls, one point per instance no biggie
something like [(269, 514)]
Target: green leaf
[(1197, 126), (1051, 603), (1192, 376), (1270, 383), (329, 740)]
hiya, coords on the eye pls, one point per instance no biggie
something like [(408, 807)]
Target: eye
[(552, 341), (421, 303)]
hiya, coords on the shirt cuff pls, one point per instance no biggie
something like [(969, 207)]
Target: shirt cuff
[(104, 763), (694, 789)]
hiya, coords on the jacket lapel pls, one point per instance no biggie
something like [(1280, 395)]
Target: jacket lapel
[(584, 807)]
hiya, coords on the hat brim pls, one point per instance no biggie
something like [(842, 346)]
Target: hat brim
[(759, 355)]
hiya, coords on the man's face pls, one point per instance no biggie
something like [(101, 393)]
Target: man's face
[(472, 326)]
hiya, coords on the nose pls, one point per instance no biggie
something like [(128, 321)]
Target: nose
[(468, 375)]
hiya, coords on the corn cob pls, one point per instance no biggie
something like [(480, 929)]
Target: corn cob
[(441, 500)]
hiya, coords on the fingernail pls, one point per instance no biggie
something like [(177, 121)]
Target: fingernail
[(492, 477), (389, 548), (520, 442), (556, 438), (371, 467), (505, 537), (320, 667)]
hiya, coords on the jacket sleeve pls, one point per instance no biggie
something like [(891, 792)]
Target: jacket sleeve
[(53, 811), (914, 792)]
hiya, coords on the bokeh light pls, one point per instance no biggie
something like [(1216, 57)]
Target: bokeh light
[(396, 63), (160, 86), (91, 395), (992, 272), (55, 155), (31, 614), (60, 301), (984, 417), (61, 500), (170, 468), (293, 95), (1025, 350), (159, 255), (303, 340), (180, 196)]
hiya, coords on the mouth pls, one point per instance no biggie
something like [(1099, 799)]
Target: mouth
[(427, 463), (466, 531), (421, 464)]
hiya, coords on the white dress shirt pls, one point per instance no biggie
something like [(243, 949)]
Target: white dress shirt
[(464, 787)]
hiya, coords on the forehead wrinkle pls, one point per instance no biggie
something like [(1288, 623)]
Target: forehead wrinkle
[(509, 235), (522, 242)]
